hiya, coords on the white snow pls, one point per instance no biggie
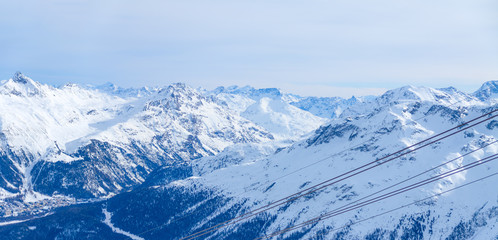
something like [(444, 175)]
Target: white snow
[(24, 220), (282, 119), (13, 222), (270, 109), (107, 221)]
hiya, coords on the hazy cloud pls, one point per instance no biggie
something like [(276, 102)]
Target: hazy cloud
[(289, 44)]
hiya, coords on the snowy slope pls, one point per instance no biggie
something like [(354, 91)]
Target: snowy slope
[(36, 117), (282, 119), (51, 137), (270, 109)]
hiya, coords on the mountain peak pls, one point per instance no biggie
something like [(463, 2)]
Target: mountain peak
[(21, 85), (487, 90), (177, 88), (179, 85), (20, 78), (402, 93)]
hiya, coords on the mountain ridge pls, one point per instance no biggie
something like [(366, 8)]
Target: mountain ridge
[(167, 162)]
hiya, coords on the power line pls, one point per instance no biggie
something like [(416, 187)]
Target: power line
[(352, 173), (415, 202), (415, 176), (342, 210)]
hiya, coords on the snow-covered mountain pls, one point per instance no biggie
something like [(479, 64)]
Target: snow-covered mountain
[(79, 142), (199, 158), (269, 108), (240, 98), (89, 142), (488, 92)]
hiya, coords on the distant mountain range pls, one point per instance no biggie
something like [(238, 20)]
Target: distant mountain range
[(84, 162)]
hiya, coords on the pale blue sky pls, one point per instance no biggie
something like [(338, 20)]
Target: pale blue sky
[(312, 47)]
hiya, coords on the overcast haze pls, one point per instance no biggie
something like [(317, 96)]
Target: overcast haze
[(312, 47)]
